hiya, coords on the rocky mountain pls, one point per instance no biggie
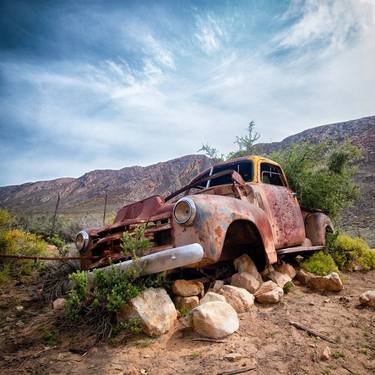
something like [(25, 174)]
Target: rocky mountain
[(84, 196)]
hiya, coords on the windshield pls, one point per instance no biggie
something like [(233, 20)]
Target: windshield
[(243, 167)]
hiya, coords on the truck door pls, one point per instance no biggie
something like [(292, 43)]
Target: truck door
[(281, 206)]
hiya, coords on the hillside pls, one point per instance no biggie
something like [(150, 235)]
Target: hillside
[(84, 196)]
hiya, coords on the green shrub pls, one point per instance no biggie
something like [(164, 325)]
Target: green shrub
[(320, 264), (349, 253), (112, 290), (41, 224), (135, 243), (322, 175)]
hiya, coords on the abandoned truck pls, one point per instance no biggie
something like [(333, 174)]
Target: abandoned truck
[(240, 206)]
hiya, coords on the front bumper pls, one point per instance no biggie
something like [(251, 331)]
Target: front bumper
[(158, 262)]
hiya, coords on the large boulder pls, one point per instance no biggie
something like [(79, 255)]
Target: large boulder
[(240, 299), (187, 288), (279, 278), (245, 264), (154, 309), (329, 283), (214, 319), (269, 293), (245, 280), (186, 303), (287, 269), (367, 298), (211, 297)]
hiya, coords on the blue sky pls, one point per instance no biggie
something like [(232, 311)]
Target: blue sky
[(106, 84)]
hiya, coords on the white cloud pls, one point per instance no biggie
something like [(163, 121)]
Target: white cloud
[(209, 34)]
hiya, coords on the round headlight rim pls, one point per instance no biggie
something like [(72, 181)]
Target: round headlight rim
[(192, 213), (85, 237)]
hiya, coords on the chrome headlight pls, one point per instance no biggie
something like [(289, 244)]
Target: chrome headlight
[(184, 211), (82, 240)]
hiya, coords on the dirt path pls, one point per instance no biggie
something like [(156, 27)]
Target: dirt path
[(265, 342)]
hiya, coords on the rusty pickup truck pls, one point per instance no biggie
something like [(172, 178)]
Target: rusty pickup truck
[(239, 206)]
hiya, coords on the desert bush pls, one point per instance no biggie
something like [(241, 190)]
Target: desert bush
[(17, 242), (111, 290), (350, 253), (321, 174), (41, 224), (320, 264)]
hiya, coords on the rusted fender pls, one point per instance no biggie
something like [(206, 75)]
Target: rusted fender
[(316, 225), (214, 215)]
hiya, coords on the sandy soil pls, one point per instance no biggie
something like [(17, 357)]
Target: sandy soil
[(266, 343)]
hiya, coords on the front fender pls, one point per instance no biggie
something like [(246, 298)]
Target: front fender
[(316, 225), (214, 215)]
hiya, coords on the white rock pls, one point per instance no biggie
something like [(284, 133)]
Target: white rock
[(211, 297), (245, 264), (214, 319), (329, 283), (269, 292), (368, 298), (155, 310), (240, 299), (279, 278), (245, 280), (287, 269), (186, 303), (58, 304), (326, 354), (187, 288)]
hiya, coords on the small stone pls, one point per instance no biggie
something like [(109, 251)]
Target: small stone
[(218, 284), (326, 354), (303, 276), (269, 293), (279, 278), (214, 319), (239, 298), (233, 357), (329, 283), (368, 298), (19, 308), (186, 303), (212, 296), (58, 304), (245, 280), (287, 269), (245, 264), (187, 288)]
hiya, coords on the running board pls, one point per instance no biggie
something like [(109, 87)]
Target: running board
[(298, 249)]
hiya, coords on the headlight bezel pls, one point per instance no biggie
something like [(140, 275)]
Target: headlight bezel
[(190, 216), (85, 241)]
